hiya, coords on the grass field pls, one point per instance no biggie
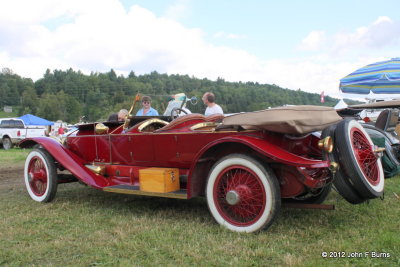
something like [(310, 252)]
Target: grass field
[(13, 156), (87, 227), (8, 114)]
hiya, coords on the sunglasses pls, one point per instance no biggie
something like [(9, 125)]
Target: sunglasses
[(146, 102)]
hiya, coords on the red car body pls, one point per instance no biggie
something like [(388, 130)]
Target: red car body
[(245, 174)]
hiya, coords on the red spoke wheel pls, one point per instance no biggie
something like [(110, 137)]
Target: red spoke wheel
[(242, 195), (40, 176), (358, 159)]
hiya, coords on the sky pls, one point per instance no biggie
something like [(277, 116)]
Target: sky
[(296, 44)]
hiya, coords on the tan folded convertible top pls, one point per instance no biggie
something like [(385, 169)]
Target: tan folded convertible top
[(289, 119)]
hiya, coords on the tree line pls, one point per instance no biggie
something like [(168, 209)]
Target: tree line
[(68, 95)]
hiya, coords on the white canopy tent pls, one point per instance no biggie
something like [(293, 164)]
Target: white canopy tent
[(341, 104)]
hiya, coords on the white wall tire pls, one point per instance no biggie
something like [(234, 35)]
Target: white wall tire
[(40, 176), (242, 195), (360, 164)]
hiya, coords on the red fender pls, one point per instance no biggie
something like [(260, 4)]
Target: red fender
[(264, 147), (68, 160)]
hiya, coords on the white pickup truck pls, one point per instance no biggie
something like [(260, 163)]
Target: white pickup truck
[(12, 131)]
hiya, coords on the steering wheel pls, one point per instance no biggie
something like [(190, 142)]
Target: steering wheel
[(176, 111)]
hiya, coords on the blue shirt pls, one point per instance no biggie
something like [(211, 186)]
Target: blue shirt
[(151, 112)]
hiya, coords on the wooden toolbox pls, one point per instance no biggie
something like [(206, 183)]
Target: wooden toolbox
[(160, 180)]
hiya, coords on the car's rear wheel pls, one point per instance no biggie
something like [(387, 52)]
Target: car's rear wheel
[(242, 194), (40, 176), (359, 161), (7, 144)]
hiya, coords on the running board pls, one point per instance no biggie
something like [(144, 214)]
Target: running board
[(135, 190)]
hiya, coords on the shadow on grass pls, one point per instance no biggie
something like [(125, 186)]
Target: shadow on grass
[(76, 194), (87, 199), (196, 209)]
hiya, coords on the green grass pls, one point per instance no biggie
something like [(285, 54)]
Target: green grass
[(88, 227), (11, 156), (7, 114)]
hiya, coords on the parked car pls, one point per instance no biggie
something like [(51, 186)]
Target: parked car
[(244, 164), (382, 130), (13, 130)]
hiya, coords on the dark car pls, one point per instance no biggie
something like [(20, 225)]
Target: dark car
[(382, 130)]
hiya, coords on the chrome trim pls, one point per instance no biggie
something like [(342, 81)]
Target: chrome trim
[(101, 128), (379, 149), (96, 168), (326, 144), (232, 197), (151, 121), (333, 166), (203, 124)]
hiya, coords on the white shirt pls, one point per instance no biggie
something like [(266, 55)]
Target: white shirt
[(216, 109)]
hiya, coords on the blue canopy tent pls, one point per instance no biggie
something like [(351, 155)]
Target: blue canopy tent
[(30, 119), (379, 78)]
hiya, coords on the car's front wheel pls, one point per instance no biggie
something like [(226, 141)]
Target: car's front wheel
[(242, 194), (40, 176)]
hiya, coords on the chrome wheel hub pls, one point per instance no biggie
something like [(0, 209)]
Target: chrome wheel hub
[(232, 197)]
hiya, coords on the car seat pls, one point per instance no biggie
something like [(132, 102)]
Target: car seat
[(387, 120)]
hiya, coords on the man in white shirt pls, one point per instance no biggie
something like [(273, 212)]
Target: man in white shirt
[(212, 107)]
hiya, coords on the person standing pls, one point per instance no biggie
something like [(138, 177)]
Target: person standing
[(147, 110), (61, 130), (212, 107)]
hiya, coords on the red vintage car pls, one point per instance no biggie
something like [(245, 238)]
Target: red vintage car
[(245, 164)]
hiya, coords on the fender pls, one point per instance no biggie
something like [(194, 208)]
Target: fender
[(68, 160), (268, 149), (262, 146)]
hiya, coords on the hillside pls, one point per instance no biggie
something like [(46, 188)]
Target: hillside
[(70, 94)]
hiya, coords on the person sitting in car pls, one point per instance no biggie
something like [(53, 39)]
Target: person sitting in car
[(146, 109), (120, 116), (212, 107)]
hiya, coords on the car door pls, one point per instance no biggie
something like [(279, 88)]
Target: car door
[(102, 147), (166, 150), (132, 149)]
